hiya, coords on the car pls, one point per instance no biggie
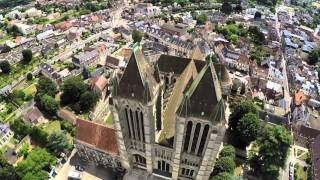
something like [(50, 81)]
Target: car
[(79, 168)]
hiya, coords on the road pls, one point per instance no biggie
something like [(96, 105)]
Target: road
[(285, 85), (75, 46)]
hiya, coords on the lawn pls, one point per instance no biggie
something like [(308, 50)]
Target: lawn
[(5, 38), (52, 126), (18, 70), (108, 119), (31, 90), (300, 173)]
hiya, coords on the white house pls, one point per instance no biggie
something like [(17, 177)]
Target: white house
[(5, 134)]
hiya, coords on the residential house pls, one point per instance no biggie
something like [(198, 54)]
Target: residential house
[(147, 10), (5, 134), (99, 85), (33, 12), (87, 58), (15, 14), (177, 29), (235, 60), (34, 117), (24, 28), (49, 72), (112, 62)]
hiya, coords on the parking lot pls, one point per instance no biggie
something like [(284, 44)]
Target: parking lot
[(91, 172)]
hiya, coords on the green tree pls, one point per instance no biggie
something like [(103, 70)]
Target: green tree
[(257, 15), (222, 176), (72, 89), (249, 127), (226, 8), (239, 111), (39, 135), (58, 143), (224, 164), (67, 126), (228, 151), (256, 35), (24, 150), (202, 19), (20, 128), (48, 104), (136, 35), (314, 56), (5, 67), (29, 76), (27, 55), (234, 38), (35, 165), (271, 154), (88, 100), (46, 86)]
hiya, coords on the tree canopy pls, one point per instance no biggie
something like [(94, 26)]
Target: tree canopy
[(228, 151), (256, 35), (257, 15), (249, 127), (136, 35), (88, 100), (36, 165), (5, 67), (47, 104), (58, 143), (240, 110), (226, 8), (202, 19), (314, 56), (27, 55), (272, 151), (225, 164), (46, 86), (72, 88), (222, 176)]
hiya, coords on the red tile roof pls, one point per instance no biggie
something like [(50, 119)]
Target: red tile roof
[(299, 98), (97, 136)]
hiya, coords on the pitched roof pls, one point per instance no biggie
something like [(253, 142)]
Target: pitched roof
[(177, 65), (33, 116), (169, 114), (97, 136), (137, 81), (99, 82), (203, 98)]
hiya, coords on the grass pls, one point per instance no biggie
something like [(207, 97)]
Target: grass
[(108, 119), (18, 70), (5, 38), (31, 90), (300, 173), (52, 127)]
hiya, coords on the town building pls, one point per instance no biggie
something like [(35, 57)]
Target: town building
[(169, 119), (5, 134), (85, 59)]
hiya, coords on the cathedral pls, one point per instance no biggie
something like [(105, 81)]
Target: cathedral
[(169, 116)]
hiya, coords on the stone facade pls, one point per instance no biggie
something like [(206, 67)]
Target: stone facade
[(169, 122)]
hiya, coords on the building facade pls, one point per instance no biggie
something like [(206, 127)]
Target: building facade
[(169, 117)]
